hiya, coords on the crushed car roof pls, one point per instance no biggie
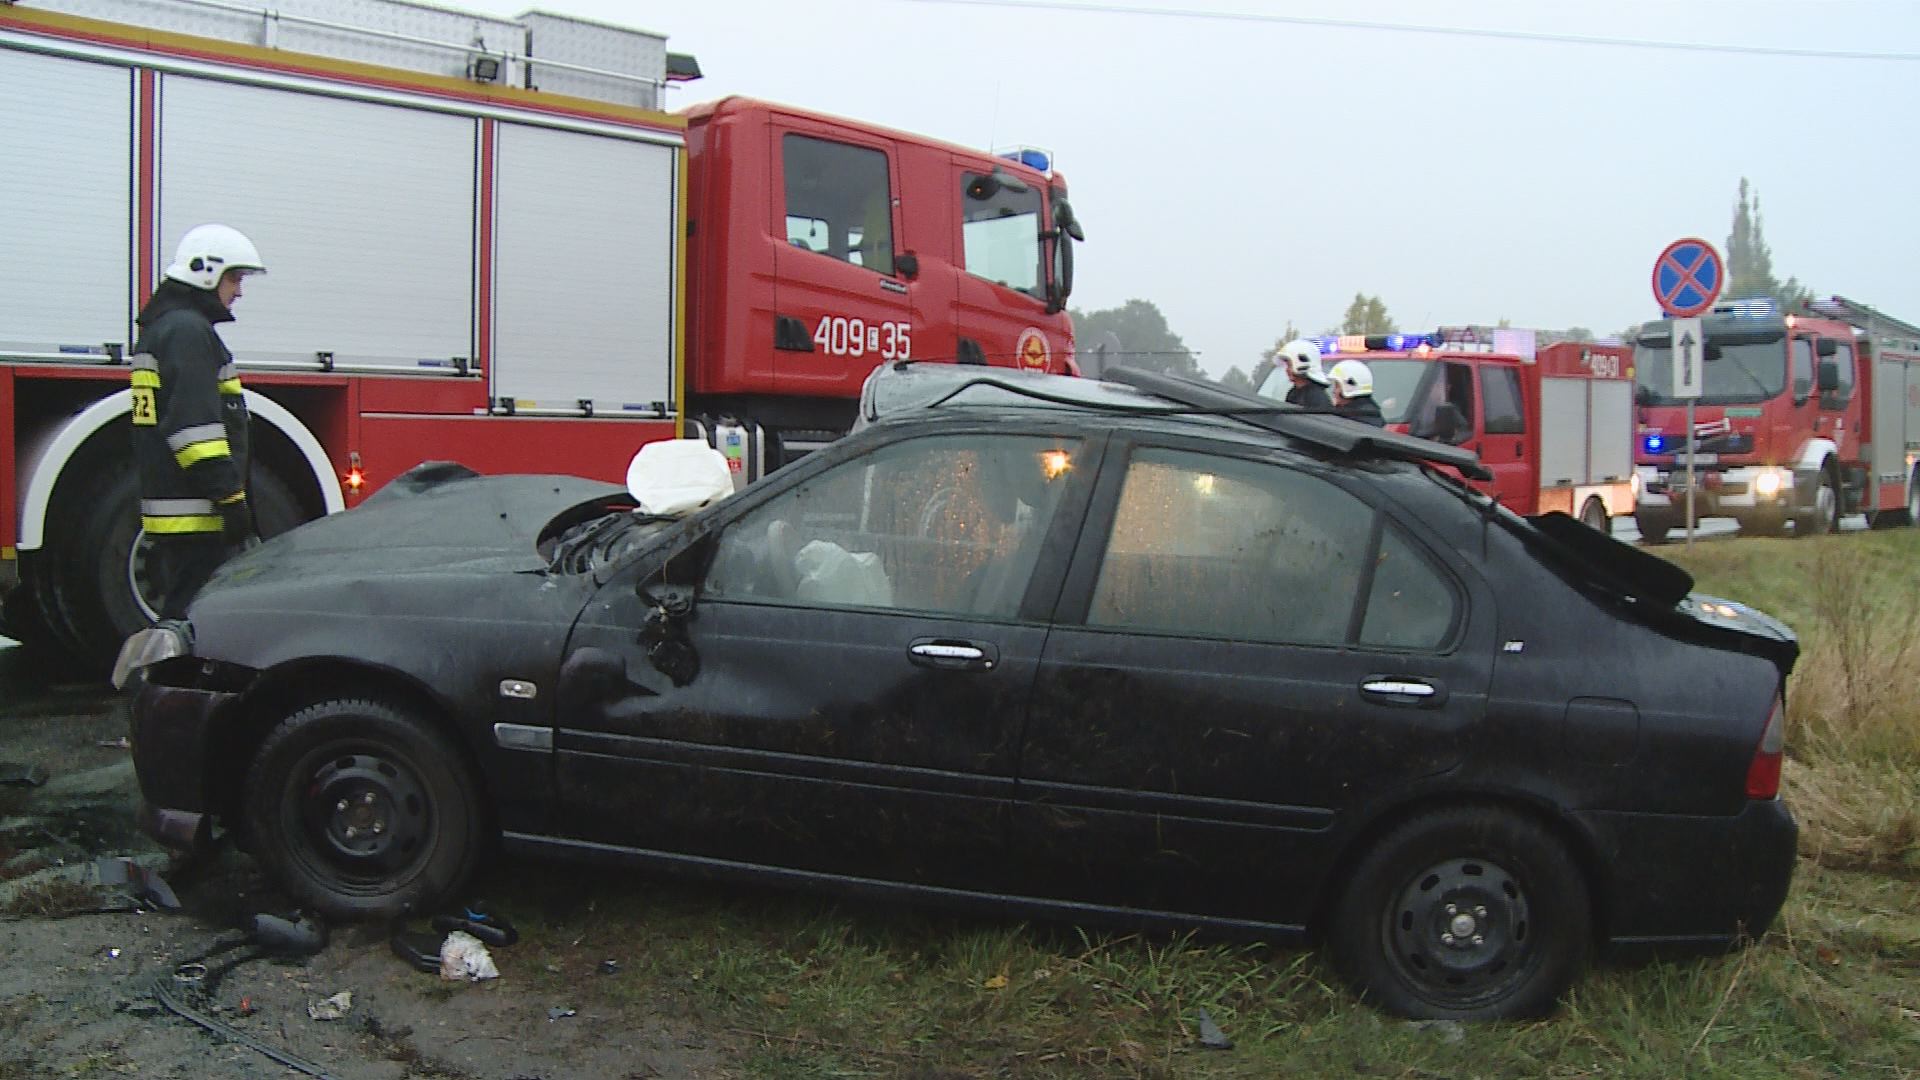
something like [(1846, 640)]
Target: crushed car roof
[(908, 387)]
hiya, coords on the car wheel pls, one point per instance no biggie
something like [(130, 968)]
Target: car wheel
[(1467, 913), (360, 809), (1594, 516)]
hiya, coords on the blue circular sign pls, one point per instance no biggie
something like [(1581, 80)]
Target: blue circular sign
[(1687, 278)]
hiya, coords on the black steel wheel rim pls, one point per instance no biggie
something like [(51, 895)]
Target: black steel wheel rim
[(1460, 932), (365, 820)]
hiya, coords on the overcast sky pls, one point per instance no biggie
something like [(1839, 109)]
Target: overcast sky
[(1241, 171)]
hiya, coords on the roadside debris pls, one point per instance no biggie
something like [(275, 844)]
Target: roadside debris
[(299, 936), (136, 880), (332, 1008), (609, 966), (462, 956), (561, 1012), (1211, 1036)]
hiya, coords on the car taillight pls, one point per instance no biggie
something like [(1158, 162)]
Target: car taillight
[(1763, 773)]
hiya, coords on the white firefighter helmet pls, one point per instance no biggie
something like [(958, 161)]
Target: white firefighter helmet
[(1352, 378), (208, 251), (1302, 358)]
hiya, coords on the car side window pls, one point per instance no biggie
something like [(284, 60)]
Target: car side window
[(1227, 548), (1501, 385), (839, 201), (1410, 605), (948, 524)]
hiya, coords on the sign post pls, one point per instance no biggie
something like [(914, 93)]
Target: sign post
[(1687, 278), (1689, 354)]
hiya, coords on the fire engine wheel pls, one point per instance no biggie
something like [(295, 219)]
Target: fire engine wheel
[(99, 581), (1824, 515), (1913, 499), (1653, 530), (1594, 516)]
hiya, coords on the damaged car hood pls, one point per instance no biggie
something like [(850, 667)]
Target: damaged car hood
[(462, 551)]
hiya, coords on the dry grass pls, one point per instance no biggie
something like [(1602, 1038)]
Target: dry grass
[(1853, 740)]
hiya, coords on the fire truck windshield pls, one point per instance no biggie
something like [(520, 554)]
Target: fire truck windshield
[(1397, 385), (1734, 373)]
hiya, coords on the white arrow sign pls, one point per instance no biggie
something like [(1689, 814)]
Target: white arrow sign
[(1689, 358)]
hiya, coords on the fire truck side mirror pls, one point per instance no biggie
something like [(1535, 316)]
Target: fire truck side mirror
[(908, 264), (1829, 375)]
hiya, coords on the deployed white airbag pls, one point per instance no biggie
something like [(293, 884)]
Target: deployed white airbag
[(678, 476)]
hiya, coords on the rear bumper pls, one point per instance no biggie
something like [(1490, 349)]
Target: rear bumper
[(1694, 883), (172, 736)]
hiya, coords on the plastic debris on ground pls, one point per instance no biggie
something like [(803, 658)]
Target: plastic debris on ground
[(559, 1012), (332, 1008), (464, 957), (1211, 1036), (122, 874)]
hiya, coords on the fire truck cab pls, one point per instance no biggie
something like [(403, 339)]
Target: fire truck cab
[(1552, 423), (1802, 419)]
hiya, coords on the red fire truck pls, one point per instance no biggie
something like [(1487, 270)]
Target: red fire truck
[(485, 244), (1553, 423), (1802, 419)]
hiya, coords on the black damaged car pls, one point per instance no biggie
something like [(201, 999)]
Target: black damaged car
[(1143, 651)]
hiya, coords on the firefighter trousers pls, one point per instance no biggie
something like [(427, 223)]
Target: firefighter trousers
[(179, 565)]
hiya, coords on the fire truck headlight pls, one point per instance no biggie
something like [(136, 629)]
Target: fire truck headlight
[(1767, 484)]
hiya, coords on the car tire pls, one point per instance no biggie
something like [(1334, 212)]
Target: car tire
[(1593, 514), (362, 810), (1465, 913)]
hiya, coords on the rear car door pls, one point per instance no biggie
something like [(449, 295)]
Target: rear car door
[(863, 660), (1248, 656)]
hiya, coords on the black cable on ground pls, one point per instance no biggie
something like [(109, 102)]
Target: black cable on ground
[(164, 993)]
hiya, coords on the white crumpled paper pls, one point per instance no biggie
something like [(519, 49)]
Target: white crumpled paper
[(332, 1008), (462, 956)]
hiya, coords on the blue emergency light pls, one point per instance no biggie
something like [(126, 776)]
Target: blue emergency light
[(1655, 444), (1031, 158), (1759, 307)]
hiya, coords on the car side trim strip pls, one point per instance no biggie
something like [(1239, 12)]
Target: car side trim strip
[(729, 870)]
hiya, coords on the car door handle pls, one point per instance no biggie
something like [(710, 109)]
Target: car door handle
[(1403, 690), (953, 654)]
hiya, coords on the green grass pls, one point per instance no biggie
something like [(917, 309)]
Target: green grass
[(790, 986)]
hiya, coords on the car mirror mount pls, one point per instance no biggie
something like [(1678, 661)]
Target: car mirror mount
[(664, 632)]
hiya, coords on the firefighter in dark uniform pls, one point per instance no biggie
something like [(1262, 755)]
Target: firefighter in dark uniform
[(1353, 392), (189, 418), (1302, 358)]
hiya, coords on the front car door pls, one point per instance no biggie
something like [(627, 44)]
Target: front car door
[(1246, 654), (862, 656)]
